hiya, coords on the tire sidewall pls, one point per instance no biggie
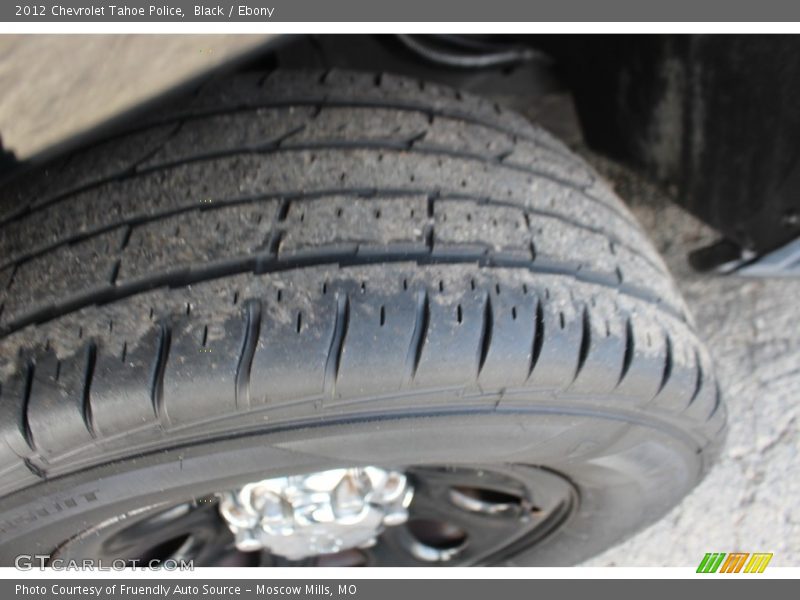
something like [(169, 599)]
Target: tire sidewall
[(626, 474)]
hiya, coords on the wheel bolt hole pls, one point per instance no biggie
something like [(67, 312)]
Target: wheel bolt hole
[(435, 541), (484, 500)]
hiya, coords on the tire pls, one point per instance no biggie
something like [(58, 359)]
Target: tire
[(298, 271)]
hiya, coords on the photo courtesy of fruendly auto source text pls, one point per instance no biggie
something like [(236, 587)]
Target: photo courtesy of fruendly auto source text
[(493, 299)]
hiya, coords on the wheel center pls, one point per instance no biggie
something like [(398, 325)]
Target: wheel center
[(301, 516)]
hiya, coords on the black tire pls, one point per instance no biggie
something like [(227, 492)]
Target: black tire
[(309, 269)]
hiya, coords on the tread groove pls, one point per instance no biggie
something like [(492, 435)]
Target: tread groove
[(698, 385), (627, 358), (538, 337), (667, 363), (26, 397), (249, 345), (347, 257), (717, 401), (586, 341), (86, 406), (326, 101), (336, 346), (126, 237), (271, 148), (487, 327), (400, 146), (419, 335), (115, 271), (157, 380), (287, 197)]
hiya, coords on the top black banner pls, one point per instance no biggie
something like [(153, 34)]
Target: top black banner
[(461, 11)]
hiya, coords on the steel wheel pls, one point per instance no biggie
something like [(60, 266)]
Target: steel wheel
[(437, 516)]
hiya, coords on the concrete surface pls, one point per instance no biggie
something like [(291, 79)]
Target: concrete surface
[(54, 86), (751, 500)]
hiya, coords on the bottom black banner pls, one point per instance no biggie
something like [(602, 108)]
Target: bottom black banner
[(391, 589)]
